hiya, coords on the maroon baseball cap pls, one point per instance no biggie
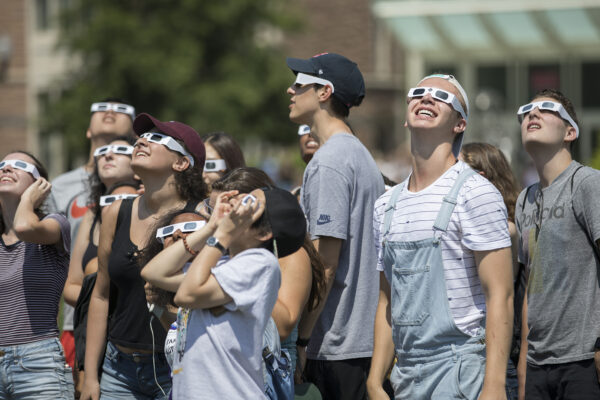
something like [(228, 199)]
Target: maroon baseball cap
[(145, 123)]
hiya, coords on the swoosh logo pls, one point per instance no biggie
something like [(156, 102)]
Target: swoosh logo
[(77, 211)]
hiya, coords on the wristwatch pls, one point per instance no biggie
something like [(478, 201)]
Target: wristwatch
[(597, 344), (214, 242)]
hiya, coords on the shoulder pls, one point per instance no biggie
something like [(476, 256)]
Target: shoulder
[(259, 255), (586, 179), (478, 187)]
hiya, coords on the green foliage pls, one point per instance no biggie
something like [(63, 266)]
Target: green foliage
[(198, 62)]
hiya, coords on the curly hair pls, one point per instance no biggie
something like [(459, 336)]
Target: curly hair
[(189, 183)]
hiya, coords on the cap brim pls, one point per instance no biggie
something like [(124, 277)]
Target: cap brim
[(300, 65), (143, 123)]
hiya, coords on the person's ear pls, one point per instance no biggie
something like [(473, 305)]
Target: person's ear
[(324, 93), (263, 236), (181, 164), (460, 126), (570, 134), (481, 173)]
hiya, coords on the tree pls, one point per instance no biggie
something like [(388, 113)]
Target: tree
[(199, 62)]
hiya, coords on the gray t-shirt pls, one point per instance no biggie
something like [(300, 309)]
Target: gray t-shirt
[(563, 289), (340, 186), (69, 197)]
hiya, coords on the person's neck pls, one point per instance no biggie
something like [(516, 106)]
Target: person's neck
[(430, 161), (159, 197), (550, 164), (324, 126)]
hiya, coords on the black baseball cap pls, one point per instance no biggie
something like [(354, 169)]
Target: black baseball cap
[(341, 72), (287, 220)]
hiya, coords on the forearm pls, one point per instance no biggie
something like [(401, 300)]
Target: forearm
[(71, 293), (283, 319), (383, 343), (190, 293), (309, 318), (27, 224), (499, 324), (96, 336), (171, 260)]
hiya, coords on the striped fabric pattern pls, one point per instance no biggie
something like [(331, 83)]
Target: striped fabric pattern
[(478, 223), (32, 277)]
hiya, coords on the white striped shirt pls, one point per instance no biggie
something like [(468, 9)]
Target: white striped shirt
[(32, 278), (479, 223)]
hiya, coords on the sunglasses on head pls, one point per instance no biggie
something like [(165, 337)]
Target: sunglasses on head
[(215, 165), (168, 142), (116, 107), (184, 227), (22, 165), (115, 149), (439, 94), (304, 79), (111, 198), (547, 106)]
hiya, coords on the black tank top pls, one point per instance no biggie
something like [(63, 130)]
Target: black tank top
[(91, 251), (129, 325)]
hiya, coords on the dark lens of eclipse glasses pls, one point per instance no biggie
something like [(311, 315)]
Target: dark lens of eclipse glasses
[(418, 92), (441, 95)]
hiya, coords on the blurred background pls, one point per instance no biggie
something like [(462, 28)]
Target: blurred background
[(220, 66)]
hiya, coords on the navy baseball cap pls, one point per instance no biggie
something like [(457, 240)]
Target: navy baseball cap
[(348, 82)]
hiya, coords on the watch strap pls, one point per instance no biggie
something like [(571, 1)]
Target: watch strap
[(214, 242)]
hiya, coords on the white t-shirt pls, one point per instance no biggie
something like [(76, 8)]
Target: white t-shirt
[(223, 354), (479, 223)]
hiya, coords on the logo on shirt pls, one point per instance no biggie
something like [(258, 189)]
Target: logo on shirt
[(323, 219), (76, 210)]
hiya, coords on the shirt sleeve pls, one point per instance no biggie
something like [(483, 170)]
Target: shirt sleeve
[(585, 204), (248, 276), (65, 230), (518, 216), (483, 218), (327, 201), (378, 212)]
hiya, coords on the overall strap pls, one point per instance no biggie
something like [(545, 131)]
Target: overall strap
[(390, 207), (449, 202)]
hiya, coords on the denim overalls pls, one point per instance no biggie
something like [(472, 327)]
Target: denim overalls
[(435, 359)]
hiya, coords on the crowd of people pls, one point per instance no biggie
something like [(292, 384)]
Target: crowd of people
[(188, 275)]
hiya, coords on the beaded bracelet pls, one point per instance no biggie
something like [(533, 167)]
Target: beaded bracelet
[(188, 248)]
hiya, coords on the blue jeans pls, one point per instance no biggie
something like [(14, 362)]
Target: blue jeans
[(35, 371), (131, 376)]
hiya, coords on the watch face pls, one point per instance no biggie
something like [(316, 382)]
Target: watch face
[(212, 241)]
